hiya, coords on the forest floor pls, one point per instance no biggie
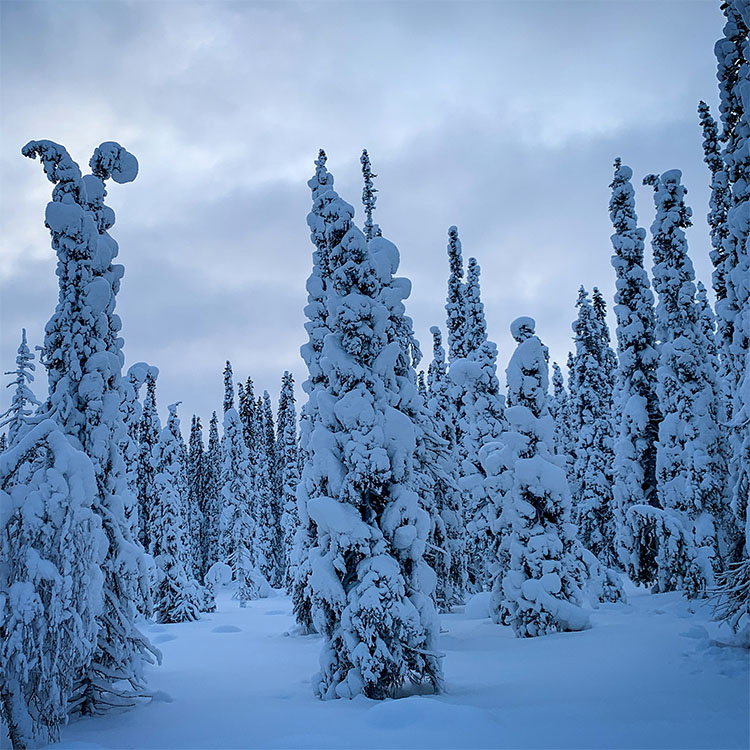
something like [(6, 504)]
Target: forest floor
[(647, 674)]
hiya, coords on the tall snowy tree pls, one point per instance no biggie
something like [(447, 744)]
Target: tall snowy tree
[(480, 420), (541, 590), (368, 576), (148, 431), (733, 312), (212, 499), (323, 195), (175, 594), (452, 575), (558, 408), (196, 488), (635, 402), (83, 357), (237, 519), (590, 410), (287, 452), (16, 415), (690, 459), (267, 541)]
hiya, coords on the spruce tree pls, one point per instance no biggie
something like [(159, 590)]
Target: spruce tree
[(591, 422), (368, 197), (267, 526), (287, 451), (148, 431), (79, 632), (559, 409), (368, 575), (195, 502), (542, 589), (452, 580), (237, 527), (455, 306), (480, 420), (175, 594), (635, 402), (212, 499), (690, 460), (84, 366), (15, 417), (323, 195), (733, 72)]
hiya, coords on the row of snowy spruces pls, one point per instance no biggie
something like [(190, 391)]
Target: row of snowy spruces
[(406, 490)]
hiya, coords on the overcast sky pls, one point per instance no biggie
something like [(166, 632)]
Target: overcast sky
[(500, 117)]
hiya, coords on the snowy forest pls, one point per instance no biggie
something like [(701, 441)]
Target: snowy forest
[(532, 498)]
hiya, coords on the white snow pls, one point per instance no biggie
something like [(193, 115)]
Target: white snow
[(647, 674)]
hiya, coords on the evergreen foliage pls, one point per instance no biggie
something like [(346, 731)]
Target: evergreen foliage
[(16, 415)]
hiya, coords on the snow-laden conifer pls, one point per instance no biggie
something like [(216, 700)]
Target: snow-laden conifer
[(212, 499), (287, 452), (635, 402), (196, 488), (558, 409), (237, 519), (690, 461), (16, 415), (175, 593), (541, 590), (368, 197), (455, 306), (266, 546), (51, 547), (591, 417), (378, 634), (317, 327), (480, 420), (148, 432), (451, 585), (83, 357)]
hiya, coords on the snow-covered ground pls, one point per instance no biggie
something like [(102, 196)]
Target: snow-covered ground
[(646, 675)]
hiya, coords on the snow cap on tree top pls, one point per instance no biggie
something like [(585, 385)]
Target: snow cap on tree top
[(623, 173), (110, 159), (523, 327)]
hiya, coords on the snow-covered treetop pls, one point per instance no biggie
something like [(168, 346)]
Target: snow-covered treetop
[(228, 387), (455, 307), (476, 325), (523, 327), (368, 196), (16, 414)]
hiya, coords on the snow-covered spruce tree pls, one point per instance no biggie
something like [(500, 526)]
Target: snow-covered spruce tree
[(690, 460), (196, 484), (541, 588), (237, 530), (733, 72), (212, 499), (480, 420), (278, 570), (455, 306), (51, 547), (83, 357), (635, 403), (175, 594), (434, 476), (451, 588), (320, 184), (558, 409), (132, 410), (148, 432), (287, 452), (591, 421), (720, 202), (367, 574), (267, 543), (368, 197), (16, 416)]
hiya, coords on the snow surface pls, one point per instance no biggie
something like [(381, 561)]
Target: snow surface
[(647, 674)]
